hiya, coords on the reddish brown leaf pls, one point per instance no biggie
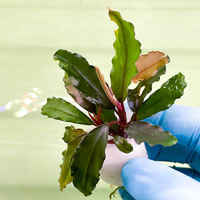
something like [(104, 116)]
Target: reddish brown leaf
[(148, 65)]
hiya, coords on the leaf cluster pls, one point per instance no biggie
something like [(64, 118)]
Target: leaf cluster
[(104, 105)]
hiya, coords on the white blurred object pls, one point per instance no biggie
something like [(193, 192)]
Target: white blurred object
[(115, 160), (27, 103)]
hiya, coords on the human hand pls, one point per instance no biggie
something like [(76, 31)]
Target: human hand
[(146, 179)]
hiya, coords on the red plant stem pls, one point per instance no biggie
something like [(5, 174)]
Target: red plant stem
[(111, 141), (93, 119), (135, 117), (117, 112), (99, 116), (115, 122), (124, 112)]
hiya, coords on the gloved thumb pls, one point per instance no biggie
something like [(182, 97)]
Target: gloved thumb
[(145, 179)]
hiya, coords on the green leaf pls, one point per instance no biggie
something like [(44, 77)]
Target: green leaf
[(147, 84), (109, 116), (145, 132), (127, 52), (135, 99), (60, 109), (122, 144), (83, 77), (156, 77), (133, 96), (71, 133), (164, 97), (65, 174), (89, 158), (78, 96)]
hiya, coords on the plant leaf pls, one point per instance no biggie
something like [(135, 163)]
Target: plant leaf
[(60, 109), (109, 116), (83, 77), (127, 52), (65, 174), (146, 132), (148, 64), (164, 97), (71, 133), (133, 96), (156, 77), (78, 96), (135, 99), (147, 84), (89, 158), (122, 144)]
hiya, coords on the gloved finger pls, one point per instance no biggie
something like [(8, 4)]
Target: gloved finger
[(125, 195), (145, 179), (189, 172), (184, 123)]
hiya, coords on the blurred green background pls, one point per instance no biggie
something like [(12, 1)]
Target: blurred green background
[(30, 33)]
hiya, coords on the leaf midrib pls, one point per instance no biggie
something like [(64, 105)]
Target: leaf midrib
[(61, 111), (86, 174), (125, 63)]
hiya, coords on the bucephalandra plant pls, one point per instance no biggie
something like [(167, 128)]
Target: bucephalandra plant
[(114, 137)]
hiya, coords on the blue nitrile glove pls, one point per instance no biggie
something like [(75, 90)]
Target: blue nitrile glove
[(145, 179)]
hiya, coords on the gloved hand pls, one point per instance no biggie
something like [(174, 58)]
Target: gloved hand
[(145, 179)]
